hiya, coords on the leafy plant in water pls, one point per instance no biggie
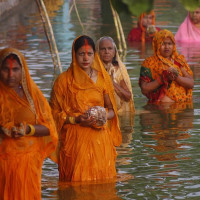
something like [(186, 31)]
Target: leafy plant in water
[(133, 7), (190, 5)]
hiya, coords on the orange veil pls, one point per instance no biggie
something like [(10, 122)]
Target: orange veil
[(141, 25), (76, 79), (36, 103)]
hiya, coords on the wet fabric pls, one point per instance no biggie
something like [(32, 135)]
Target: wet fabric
[(156, 66), (188, 32), (85, 153), (21, 159)]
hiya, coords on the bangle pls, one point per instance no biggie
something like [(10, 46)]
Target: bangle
[(65, 117), (32, 132), (72, 120)]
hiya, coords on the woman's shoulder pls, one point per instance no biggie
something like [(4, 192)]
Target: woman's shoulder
[(149, 60), (63, 75)]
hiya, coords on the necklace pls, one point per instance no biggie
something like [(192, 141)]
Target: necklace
[(91, 73)]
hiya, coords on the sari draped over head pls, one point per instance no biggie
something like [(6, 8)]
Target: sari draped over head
[(140, 24), (120, 74), (21, 159), (139, 33), (188, 32), (85, 153), (155, 67)]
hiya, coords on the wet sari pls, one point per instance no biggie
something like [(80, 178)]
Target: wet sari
[(21, 158), (155, 67), (85, 153)]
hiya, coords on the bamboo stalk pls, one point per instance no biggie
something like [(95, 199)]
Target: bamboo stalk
[(121, 31), (116, 26), (77, 13), (52, 35), (47, 34), (70, 10)]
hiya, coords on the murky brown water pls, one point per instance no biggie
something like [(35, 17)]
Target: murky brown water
[(159, 157)]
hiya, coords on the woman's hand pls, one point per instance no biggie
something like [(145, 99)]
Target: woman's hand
[(17, 132), (84, 120), (172, 73)]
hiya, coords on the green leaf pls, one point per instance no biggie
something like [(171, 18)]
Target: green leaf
[(190, 5), (132, 7)]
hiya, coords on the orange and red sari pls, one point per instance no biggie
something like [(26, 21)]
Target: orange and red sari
[(138, 34), (85, 153), (156, 66), (21, 158)]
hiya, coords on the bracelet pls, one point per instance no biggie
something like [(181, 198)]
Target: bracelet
[(65, 117), (32, 132), (72, 120)]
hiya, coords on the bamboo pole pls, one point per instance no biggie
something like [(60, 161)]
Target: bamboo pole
[(70, 10), (52, 35), (116, 26), (83, 29), (47, 34), (121, 31)]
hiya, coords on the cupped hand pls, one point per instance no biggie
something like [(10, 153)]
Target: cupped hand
[(84, 120), (15, 133), (172, 73)]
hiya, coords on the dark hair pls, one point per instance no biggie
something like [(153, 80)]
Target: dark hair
[(13, 56), (81, 42)]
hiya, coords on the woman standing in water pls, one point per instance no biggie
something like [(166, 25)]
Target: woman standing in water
[(27, 130), (166, 76), (82, 101), (189, 30), (145, 29), (108, 53)]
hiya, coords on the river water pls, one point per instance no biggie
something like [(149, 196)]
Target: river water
[(159, 156)]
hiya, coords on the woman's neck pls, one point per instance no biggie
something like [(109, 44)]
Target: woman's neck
[(89, 71)]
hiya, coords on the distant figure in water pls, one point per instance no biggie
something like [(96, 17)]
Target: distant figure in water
[(189, 30), (145, 30)]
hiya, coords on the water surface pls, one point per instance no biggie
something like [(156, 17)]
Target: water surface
[(159, 156)]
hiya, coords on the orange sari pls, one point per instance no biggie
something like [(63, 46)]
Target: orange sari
[(155, 66), (21, 159), (85, 153)]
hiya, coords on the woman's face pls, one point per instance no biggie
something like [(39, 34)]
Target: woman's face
[(85, 57), (106, 51), (11, 73), (147, 20), (166, 48), (195, 16)]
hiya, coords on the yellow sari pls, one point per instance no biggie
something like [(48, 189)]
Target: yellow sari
[(119, 75), (85, 153), (21, 159)]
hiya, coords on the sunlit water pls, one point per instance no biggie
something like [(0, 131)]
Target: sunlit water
[(159, 156)]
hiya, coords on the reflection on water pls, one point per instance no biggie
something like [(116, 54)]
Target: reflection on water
[(85, 191), (170, 125), (159, 156)]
